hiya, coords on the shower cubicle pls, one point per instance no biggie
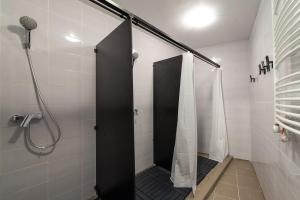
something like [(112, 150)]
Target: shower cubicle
[(115, 135)]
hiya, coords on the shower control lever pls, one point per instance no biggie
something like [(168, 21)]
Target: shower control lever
[(16, 118), (25, 119)]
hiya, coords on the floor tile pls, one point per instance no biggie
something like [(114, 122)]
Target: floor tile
[(227, 190), (243, 164), (248, 181), (239, 182), (250, 194), (246, 172), (232, 168), (220, 197), (229, 178)]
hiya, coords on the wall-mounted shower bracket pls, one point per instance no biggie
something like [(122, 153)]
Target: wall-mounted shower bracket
[(27, 43)]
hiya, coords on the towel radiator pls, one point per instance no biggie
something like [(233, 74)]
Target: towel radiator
[(286, 30)]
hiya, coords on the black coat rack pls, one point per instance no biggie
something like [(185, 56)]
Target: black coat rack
[(263, 68)]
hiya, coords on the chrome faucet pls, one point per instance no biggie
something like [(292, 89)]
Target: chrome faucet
[(26, 119)]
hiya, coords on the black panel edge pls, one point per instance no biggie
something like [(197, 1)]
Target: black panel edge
[(174, 57), (97, 188)]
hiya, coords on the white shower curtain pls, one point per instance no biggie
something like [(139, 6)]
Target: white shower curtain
[(218, 148), (184, 166)]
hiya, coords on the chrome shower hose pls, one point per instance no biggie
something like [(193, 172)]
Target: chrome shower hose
[(42, 100)]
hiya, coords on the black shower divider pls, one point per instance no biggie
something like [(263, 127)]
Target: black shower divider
[(115, 169), (166, 85)]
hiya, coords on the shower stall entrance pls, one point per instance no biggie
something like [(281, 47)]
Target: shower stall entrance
[(166, 86), (155, 182)]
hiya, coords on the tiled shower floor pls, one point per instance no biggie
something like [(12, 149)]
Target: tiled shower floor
[(155, 183)]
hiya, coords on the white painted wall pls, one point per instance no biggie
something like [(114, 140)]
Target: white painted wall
[(277, 164), (235, 64), (66, 72)]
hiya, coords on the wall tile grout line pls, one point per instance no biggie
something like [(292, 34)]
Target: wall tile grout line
[(237, 183)]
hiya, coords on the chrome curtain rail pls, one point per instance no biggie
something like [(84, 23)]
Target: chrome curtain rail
[(117, 10)]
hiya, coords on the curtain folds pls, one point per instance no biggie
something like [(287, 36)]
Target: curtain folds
[(218, 148), (184, 165)]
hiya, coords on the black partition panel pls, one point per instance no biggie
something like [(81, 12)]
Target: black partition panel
[(114, 116), (166, 80)]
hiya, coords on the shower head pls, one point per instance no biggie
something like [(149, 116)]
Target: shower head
[(28, 23), (135, 55)]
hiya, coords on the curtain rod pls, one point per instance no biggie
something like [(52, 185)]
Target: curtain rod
[(117, 10)]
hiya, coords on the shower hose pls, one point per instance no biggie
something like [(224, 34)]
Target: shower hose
[(42, 100)]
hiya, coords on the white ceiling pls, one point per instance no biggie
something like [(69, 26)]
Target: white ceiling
[(234, 19)]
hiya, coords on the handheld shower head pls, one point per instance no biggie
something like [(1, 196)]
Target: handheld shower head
[(28, 23), (135, 55)]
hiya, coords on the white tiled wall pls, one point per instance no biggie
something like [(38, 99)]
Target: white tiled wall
[(236, 87), (150, 50), (277, 164), (66, 72)]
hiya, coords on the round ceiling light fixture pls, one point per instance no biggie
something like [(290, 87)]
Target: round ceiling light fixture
[(199, 17)]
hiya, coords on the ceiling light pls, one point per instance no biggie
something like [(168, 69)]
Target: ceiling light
[(199, 17), (72, 38)]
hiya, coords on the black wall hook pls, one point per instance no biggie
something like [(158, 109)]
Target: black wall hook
[(252, 79), (266, 67), (261, 68), (269, 63)]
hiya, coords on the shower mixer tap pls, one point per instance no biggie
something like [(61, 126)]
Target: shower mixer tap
[(25, 119)]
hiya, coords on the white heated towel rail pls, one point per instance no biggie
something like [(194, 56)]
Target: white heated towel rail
[(286, 28)]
